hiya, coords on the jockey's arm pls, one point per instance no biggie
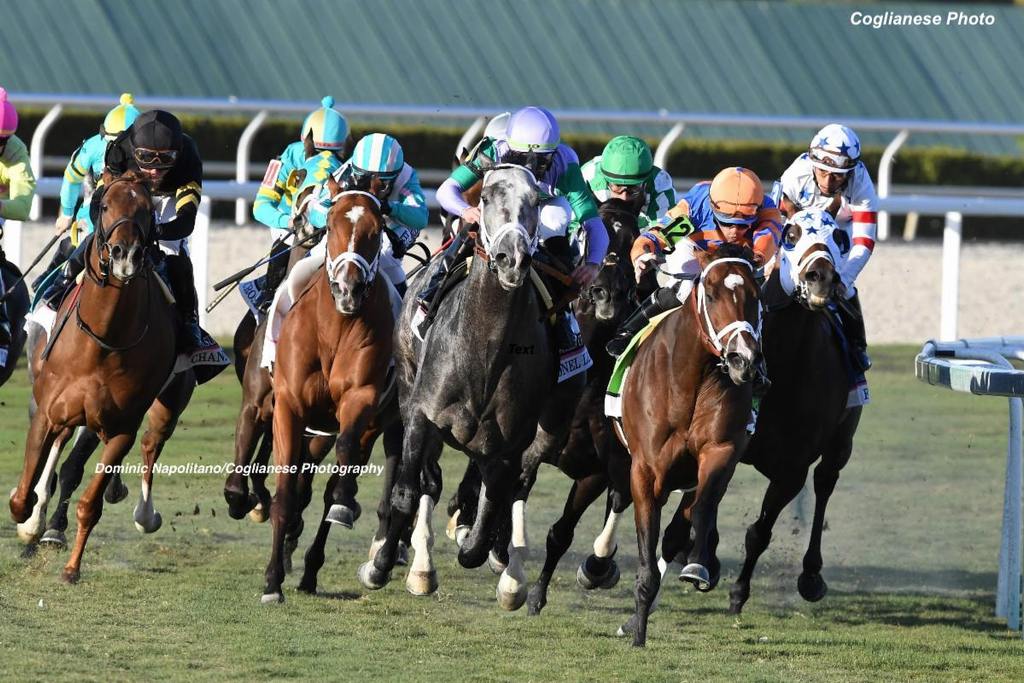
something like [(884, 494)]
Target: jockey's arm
[(411, 209), (74, 174), (663, 198), (864, 207), (576, 191), (21, 183), (767, 232), (266, 207), (663, 235), (186, 208)]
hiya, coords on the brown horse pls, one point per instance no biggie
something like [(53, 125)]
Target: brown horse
[(805, 415), (686, 403), (107, 369), (331, 368)]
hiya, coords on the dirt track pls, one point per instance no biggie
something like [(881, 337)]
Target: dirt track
[(900, 286)]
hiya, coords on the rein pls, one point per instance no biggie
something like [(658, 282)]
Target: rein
[(711, 338)]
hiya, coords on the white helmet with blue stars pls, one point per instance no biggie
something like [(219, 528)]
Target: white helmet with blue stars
[(835, 149)]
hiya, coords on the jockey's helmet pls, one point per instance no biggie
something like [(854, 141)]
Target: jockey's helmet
[(375, 155), (120, 117), (532, 139), (626, 160), (497, 128), (736, 196), (156, 139), (835, 149), (329, 127), (8, 116)]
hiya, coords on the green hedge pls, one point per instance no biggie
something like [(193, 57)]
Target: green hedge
[(432, 147)]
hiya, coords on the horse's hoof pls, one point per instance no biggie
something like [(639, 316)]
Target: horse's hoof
[(627, 629), (589, 580), (343, 515), (402, 554), (117, 496), (150, 526), (258, 514), (495, 563), (238, 504), (449, 530), (737, 598), (812, 587), (54, 538), (421, 583), (29, 533), (511, 593), (460, 534), (70, 576), (536, 600), (272, 598), (697, 574), (371, 577), (308, 586)]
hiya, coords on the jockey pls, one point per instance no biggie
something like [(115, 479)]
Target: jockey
[(731, 208), (625, 170), (831, 176), (532, 141), (155, 146), (376, 156), (324, 134), (17, 185)]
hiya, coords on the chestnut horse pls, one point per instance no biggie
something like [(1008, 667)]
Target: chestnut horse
[(110, 367), (331, 370), (805, 415), (685, 407)]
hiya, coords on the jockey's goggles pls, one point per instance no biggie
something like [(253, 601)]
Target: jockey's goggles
[(538, 162), (833, 163), (631, 191), (155, 158), (732, 213)]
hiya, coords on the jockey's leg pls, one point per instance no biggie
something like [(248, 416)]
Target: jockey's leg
[(391, 267), (179, 272), (853, 326), (277, 269), (452, 255), (75, 264), (663, 299), (64, 250), (286, 296)]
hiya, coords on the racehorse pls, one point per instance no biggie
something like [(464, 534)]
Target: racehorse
[(333, 379), (804, 416), (108, 369), (483, 381), (685, 407)]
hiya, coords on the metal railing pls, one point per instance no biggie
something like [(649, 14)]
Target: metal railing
[(675, 121), (981, 367)]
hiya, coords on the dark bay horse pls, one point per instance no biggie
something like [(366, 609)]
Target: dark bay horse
[(331, 371), (107, 370), (17, 304), (484, 382), (804, 417), (686, 404)]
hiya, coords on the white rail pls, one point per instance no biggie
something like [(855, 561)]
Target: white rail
[(980, 367)]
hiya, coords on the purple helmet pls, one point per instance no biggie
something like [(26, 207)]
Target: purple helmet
[(8, 115), (533, 129)]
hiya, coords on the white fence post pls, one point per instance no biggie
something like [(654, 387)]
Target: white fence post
[(950, 276), (1008, 589), (242, 164), (199, 246), (12, 242), (36, 154), (885, 179), (661, 154)]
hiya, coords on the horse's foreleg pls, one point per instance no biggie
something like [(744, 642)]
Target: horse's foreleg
[(422, 444), (647, 512), (462, 506), (314, 451), (287, 458), (163, 418), (249, 430), (759, 534), (392, 459), (259, 497), (714, 471), (71, 472), (90, 505), (41, 451), (496, 488), (314, 559)]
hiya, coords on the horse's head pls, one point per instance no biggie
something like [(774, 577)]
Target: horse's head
[(728, 310), (614, 286), (809, 256), (354, 229), (508, 222), (124, 226)]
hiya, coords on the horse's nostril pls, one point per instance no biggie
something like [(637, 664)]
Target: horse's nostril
[(813, 276)]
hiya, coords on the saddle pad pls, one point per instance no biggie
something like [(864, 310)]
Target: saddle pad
[(250, 292), (613, 395)]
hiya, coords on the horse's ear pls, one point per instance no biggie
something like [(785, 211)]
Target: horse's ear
[(332, 186), (376, 186), (307, 145), (107, 177), (705, 257)]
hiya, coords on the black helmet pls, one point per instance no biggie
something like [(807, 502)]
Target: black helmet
[(156, 131)]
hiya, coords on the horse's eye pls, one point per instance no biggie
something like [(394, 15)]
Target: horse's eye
[(103, 207)]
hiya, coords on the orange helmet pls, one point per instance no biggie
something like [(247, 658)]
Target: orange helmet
[(736, 195)]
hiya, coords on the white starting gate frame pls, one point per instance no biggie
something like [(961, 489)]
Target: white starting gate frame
[(982, 367)]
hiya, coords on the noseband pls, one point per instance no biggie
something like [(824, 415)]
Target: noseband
[(101, 241), (803, 290), (712, 338), (487, 241)]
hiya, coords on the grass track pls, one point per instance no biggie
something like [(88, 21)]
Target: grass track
[(910, 556)]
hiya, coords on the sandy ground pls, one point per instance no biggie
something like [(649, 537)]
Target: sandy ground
[(900, 287)]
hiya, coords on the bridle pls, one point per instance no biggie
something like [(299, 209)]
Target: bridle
[(712, 338), (487, 241), (334, 266), (101, 239)]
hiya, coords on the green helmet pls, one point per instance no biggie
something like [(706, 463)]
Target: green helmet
[(626, 160)]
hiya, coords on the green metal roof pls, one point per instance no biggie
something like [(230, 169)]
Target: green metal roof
[(727, 56)]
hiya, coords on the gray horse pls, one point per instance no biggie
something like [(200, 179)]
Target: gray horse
[(483, 381)]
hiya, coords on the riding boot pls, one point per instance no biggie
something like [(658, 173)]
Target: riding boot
[(664, 299), (179, 272), (853, 325), (69, 272), (277, 269), (425, 299), (64, 250)]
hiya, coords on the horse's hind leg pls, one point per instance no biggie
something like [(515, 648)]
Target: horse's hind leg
[(250, 431), (462, 506), (287, 457), (163, 418), (393, 435), (71, 472), (582, 494), (314, 559), (811, 585), (759, 534), (90, 505), (599, 569), (647, 511), (314, 451), (259, 497)]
